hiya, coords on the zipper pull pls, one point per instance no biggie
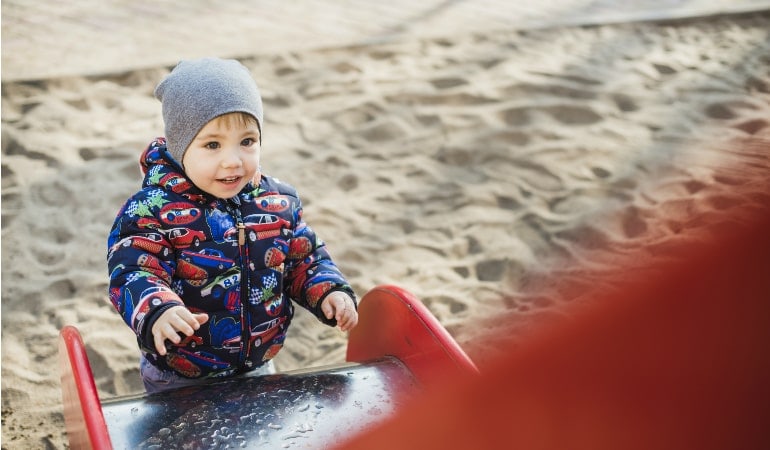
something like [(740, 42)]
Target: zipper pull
[(241, 233)]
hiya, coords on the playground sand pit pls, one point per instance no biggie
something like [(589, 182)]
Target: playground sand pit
[(496, 176)]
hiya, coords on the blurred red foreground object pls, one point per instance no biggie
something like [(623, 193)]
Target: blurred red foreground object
[(679, 362)]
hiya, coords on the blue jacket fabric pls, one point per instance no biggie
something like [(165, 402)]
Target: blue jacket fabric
[(239, 260)]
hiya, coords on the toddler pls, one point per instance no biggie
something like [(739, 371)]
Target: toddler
[(204, 259)]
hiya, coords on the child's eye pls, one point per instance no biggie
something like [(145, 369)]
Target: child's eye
[(212, 145), (248, 142)]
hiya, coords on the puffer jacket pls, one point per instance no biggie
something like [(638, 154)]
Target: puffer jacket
[(239, 260)]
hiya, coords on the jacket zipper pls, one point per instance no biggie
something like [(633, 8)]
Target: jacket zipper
[(244, 284)]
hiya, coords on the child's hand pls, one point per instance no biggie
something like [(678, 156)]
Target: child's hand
[(173, 321), (340, 306)]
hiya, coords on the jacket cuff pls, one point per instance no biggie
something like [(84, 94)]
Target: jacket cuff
[(341, 288), (145, 335)]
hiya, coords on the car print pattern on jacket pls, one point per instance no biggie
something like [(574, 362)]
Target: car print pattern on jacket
[(240, 260)]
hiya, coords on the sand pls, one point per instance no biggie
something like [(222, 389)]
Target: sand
[(493, 175)]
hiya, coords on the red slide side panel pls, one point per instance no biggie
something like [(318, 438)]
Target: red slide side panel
[(83, 416), (393, 322)]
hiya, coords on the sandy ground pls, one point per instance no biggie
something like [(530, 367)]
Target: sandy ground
[(493, 175)]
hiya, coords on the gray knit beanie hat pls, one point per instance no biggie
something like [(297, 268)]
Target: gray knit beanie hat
[(197, 91)]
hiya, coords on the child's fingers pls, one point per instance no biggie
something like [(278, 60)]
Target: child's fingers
[(343, 313), (342, 308), (186, 322), (332, 305), (347, 316), (184, 325), (328, 309), (173, 321), (201, 318), (350, 320), (160, 334)]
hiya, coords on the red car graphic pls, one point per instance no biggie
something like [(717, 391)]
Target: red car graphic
[(154, 265), (148, 222), (185, 237), (182, 365), (179, 213), (153, 243), (272, 351), (233, 344), (193, 341), (273, 203), (191, 273), (259, 335), (175, 182), (263, 226), (266, 331)]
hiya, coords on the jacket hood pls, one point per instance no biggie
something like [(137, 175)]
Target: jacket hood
[(156, 153), (162, 170)]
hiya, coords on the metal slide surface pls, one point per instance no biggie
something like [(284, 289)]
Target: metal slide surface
[(319, 408)]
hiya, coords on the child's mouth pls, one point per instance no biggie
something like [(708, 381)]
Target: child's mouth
[(229, 180)]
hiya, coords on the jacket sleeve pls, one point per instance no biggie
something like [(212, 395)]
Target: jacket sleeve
[(310, 273), (141, 263)]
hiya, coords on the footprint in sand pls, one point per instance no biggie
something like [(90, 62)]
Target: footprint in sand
[(497, 270), (348, 182), (585, 236), (463, 271), (573, 115), (387, 130), (346, 67), (455, 306), (11, 206), (447, 99), (446, 83), (54, 193), (515, 117), (664, 69), (752, 126), (456, 156), (625, 102), (11, 200), (53, 253), (719, 111), (726, 110), (13, 147), (355, 117), (490, 270), (508, 203), (529, 90)]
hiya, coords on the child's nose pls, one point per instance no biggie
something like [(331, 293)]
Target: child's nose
[(232, 158)]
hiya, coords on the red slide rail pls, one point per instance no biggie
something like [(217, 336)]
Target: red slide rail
[(83, 416), (393, 322)]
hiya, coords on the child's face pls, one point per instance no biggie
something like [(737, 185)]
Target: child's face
[(224, 156)]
